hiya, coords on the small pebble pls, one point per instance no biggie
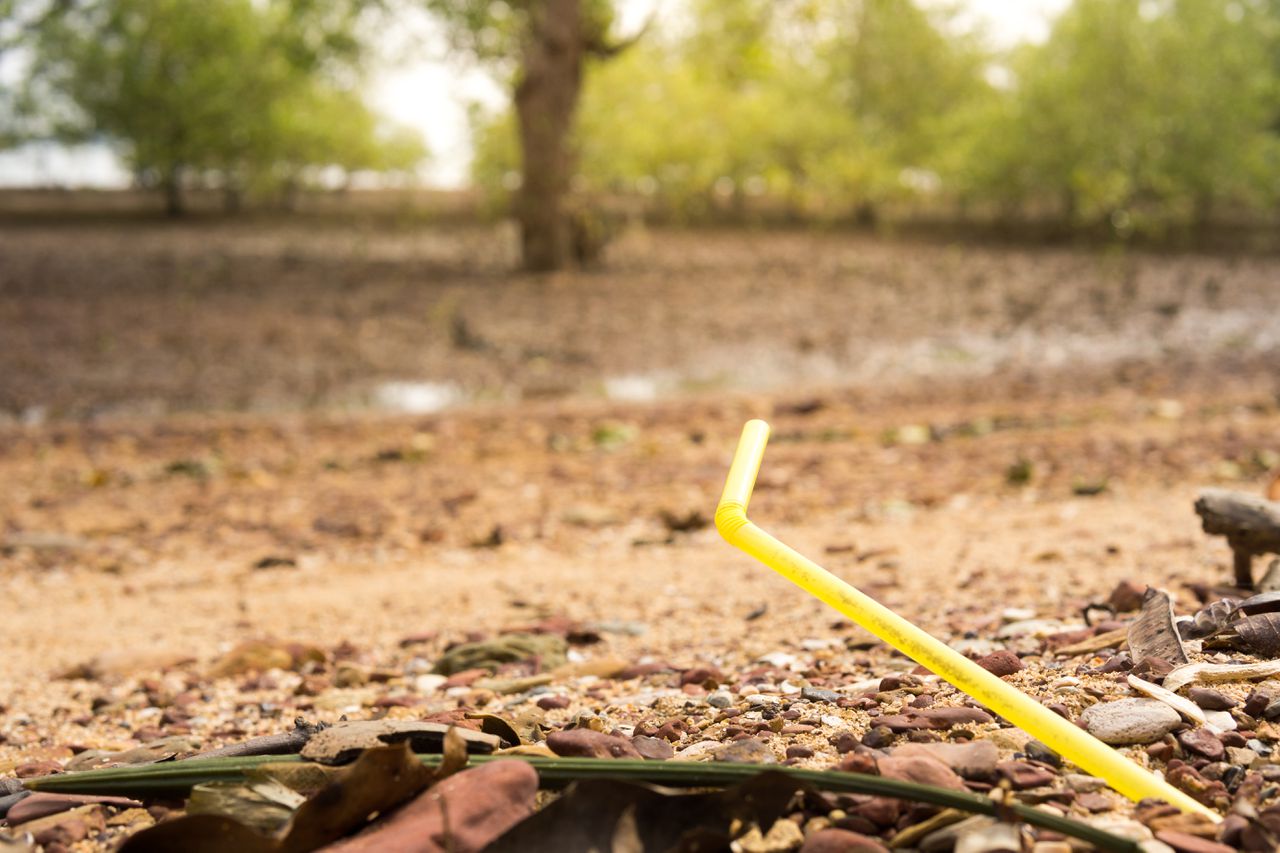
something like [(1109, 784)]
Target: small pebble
[(817, 694), (1037, 751), (1001, 663), (1210, 699), (720, 699), (1130, 721), (1201, 741)]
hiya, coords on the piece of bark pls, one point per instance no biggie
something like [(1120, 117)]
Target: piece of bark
[(284, 743), (1250, 524), (341, 742), (1153, 634), (1117, 639)]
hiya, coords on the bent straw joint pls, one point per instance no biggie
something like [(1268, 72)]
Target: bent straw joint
[(1058, 734)]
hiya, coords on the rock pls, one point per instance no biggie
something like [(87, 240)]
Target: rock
[(1210, 699), (881, 811), (1186, 843), (841, 841), (640, 670), (1023, 774), (973, 760), (585, 743), (1094, 802), (798, 751), (934, 718), (1202, 742), (746, 751), (41, 804), (1127, 596), (1001, 663), (1014, 740), (653, 748), (1036, 751), (1130, 721), (782, 837), (462, 814), (925, 770), (66, 828), (553, 703), (696, 750), (763, 700), (817, 694), (32, 769), (720, 699), (705, 676), (1241, 756), (8, 801), (844, 742), (1084, 784), (878, 738), (992, 838)]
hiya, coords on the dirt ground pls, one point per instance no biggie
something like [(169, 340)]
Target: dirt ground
[(197, 455)]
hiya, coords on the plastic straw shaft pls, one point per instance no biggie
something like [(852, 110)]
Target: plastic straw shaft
[(1058, 734)]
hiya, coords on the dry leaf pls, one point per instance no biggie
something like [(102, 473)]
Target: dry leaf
[(1263, 602), (1211, 620), (1261, 634), (376, 783), (1153, 633)]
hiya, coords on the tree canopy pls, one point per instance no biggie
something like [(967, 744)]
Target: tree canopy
[(247, 93), (1132, 114)]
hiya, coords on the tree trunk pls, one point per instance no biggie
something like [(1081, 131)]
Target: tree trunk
[(174, 203), (546, 96)]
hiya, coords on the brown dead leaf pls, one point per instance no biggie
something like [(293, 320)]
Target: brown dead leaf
[(376, 783), (1153, 634), (1261, 634), (1211, 620)]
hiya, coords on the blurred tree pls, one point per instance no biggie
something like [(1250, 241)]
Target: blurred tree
[(819, 105), (912, 80), (1140, 114), (242, 90), (541, 45)]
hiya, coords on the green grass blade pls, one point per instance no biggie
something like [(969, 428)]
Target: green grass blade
[(176, 778)]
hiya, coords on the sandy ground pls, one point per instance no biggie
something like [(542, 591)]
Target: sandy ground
[(139, 543)]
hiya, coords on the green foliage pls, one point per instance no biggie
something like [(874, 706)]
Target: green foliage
[(243, 90), (1134, 114), (493, 30), (1141, 114), (765, 100)]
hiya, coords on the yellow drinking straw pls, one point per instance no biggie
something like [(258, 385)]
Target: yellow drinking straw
[(1058, 734)]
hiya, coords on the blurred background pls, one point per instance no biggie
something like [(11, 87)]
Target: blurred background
[(413, 204)]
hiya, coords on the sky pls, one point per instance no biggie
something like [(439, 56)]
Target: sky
[(430, 90)]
